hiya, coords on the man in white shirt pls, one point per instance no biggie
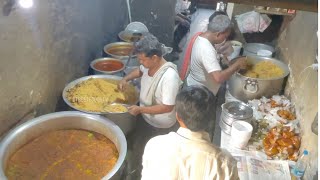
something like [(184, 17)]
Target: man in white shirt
[(160, 84), (188, 153), (204, 66)]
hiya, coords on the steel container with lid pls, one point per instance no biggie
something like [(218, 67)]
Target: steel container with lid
[(252, 49), (234, 111)]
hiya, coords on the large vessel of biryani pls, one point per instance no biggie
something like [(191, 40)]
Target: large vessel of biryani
[(100, 95)]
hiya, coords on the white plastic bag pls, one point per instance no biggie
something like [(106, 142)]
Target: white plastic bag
[(264, 22), (252, 22)]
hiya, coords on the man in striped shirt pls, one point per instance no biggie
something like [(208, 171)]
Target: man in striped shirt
[(188, 154)]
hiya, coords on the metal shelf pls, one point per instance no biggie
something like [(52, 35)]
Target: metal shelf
[(303, 5), (273, 12)]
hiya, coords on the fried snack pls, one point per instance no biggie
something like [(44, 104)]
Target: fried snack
[(285, 114), (294, 156), (296, 141), (284, 142), (264, 70), (281, 142), (269, 148), (274, 104), (287, 134), (276, 131), (95, 94)]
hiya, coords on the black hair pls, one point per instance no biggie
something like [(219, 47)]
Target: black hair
[(196, 106)]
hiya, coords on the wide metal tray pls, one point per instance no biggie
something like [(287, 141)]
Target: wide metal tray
[(77, 81)]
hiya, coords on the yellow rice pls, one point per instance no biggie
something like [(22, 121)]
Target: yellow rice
[(96, 95), (264, 70)]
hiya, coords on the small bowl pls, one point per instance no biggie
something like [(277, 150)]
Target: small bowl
[(110, 66)]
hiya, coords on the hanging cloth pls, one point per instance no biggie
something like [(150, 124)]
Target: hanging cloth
[(187, 58)]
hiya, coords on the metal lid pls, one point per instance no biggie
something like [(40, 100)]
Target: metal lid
[(225, 127), (255, 47), (237, 110)]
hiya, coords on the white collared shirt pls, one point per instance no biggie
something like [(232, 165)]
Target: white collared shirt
[(186, 155)]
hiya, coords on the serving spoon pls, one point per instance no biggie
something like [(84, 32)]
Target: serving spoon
[(135, 37), (118, 104)]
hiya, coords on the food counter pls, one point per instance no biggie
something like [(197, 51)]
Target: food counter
[(275, 139)]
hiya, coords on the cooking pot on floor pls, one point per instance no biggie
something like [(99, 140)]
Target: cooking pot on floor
[(32, 129)]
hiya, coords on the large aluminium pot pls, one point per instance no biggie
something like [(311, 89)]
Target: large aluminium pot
[(125, 121), (245, 88), (32, 129)]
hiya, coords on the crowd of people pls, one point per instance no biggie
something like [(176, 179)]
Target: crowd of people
[(179, 107)]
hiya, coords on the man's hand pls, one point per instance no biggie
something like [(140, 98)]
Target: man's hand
[(235, 65), (122, 85), (242, 63), (225, 48), (134, 110)]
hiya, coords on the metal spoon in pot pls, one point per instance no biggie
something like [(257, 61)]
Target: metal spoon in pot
[(135, 37), (123, 108), (249, 67)]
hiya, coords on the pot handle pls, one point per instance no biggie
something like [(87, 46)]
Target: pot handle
[(222, 105), (251, 86)]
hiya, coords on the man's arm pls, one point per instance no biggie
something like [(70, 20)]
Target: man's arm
[(136, 73), (223, 75), (156, 109)]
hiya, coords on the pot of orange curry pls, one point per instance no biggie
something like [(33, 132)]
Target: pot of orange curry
[(63, 145), (110, 66), (263, 77)]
